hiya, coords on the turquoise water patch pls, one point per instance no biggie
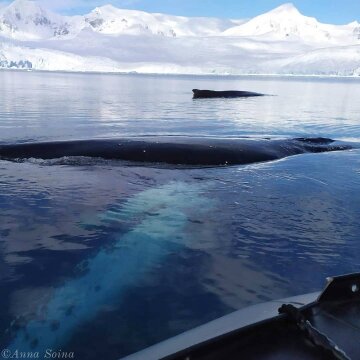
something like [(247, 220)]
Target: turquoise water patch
[(162, 214)]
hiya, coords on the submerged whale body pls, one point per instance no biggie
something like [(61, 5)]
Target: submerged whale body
[(106, 277), (206, 94), (174, 149)]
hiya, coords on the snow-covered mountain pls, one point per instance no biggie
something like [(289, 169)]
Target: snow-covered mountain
[(26, 20), (281, 41), (287, 22), (110, 20)]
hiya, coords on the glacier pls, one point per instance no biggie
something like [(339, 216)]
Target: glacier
[(282, 41)]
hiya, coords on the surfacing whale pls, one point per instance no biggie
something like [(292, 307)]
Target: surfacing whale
[(177, 150), (206, 94)]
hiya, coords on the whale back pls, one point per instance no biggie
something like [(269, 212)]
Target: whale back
[(174, 149), (206, 94)]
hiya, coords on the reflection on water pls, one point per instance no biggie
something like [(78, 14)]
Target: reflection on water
[(60, 106), (103, 259)]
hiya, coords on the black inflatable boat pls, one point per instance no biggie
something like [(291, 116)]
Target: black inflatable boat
[(322, 325)]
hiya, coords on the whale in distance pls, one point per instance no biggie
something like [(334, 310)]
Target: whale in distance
[(207, 94)]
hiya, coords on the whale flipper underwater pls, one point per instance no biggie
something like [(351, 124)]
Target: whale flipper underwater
[(206, 94), (175, 150)]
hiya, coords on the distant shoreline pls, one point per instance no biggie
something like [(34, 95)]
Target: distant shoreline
[(204, 75)]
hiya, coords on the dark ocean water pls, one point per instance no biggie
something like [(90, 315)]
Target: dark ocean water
[(104, 259)]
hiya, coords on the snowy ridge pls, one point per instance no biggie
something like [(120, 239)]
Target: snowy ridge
[(108, 39), (110, 20), (287, 22), (26, 20)]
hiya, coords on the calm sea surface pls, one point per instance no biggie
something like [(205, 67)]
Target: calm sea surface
[(104, 259)]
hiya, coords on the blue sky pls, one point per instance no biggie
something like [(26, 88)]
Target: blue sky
[(331, 11)]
